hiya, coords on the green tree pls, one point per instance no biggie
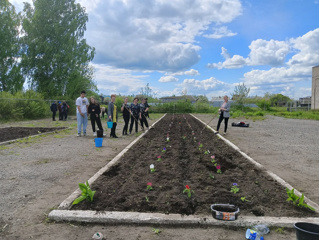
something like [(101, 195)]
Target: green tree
[(278, 100), (240, 94), (56, 56), (11, 79)]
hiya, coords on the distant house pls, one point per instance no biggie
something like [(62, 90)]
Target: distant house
[(178, 98), (103, 98), (304, 102)]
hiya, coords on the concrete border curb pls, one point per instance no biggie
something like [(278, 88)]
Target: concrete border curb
[(32, 136), (261, 167), (172, 219), (67, 203)]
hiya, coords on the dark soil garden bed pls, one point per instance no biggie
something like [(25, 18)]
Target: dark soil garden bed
[(124, 186), (11, 133)]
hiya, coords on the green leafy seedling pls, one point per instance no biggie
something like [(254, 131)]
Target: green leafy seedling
[(87, 193), (156, 230)]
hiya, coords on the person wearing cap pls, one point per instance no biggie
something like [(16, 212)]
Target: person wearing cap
[(143, 110), (82, 104)]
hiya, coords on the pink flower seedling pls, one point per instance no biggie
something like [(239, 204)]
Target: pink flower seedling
[(149, 186), (218, 167), (159, 158)]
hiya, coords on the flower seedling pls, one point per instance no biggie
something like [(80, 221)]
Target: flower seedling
[(234, 189), (159, 159), (149, 186), (200, 145), (184, 137), (294, 198), (207, 152), (87, 193), (243, 199), (218, 167), (156, 230), (164, 150), (152, 167), (147, 199), (213, 159), (188, 191), (167, 139), (211, 176)]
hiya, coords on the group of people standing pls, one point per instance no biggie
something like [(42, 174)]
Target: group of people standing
[(135, 112), (62, 108)]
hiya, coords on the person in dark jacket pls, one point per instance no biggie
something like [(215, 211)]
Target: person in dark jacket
[(54, 109), (144, 109), (126, 115), (94, 110), (60, 111), (135, 114), (148, 106), (113, 115), (65, 109)]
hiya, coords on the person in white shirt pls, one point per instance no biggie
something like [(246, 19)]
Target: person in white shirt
[(82, 104)]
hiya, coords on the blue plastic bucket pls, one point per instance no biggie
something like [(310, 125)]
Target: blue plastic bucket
[(98, 142), (109, 124)]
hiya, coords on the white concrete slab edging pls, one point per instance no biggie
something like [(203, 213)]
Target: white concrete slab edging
[(62, 214), (32, 136)]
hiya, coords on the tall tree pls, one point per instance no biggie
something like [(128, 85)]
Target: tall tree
[(11, 79), (240, 94), (56, 55)]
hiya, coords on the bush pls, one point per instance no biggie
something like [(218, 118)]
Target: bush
[(23, 105)]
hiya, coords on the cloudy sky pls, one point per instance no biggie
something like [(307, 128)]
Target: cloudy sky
[(204, 46)]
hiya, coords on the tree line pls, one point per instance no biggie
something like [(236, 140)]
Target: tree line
[(44, 46)]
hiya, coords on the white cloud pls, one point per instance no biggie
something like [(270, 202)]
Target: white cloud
[(220, 33), (191, 72), (168, 79), (264, 52), (111, 80), (154, 35)]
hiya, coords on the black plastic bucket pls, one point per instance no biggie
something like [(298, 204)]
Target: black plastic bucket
[(226, 212), (307, 231)]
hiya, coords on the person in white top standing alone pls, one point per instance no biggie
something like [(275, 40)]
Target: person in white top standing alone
[(82, 104)]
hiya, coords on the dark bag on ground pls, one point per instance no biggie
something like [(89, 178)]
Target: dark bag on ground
[(99, 133), (240, 124)]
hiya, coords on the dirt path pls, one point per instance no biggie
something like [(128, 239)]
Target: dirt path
[(38, 174)]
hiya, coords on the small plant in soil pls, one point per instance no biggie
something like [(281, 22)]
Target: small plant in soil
[(152, 167), (218, 167), (159, 159), (212, 159), (207, 152), (164, 150), (234, 189), (188, 191), (243, 199), (211, 176), (149, 186), (156, 230), (87, 193), (184, 137), (296, 200), (200, 145), (167, 139), (147, 199)]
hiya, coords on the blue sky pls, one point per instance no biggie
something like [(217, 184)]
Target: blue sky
[(203, 47)]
